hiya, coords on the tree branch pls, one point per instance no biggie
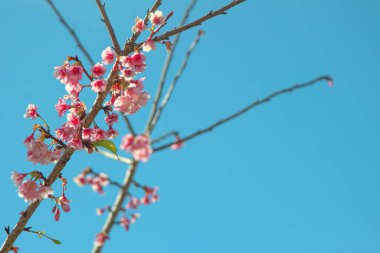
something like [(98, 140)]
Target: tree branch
[(108, 24), (112, 215), (197, 22), (164, 136), (169, 93), (114, 157), (166, 66), (246, 109), (71, 31), (129, 124)]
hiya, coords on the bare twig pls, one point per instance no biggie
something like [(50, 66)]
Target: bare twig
[(71, 31), (108, 24), (129, 124), (117, 206), (169, 93), (166, 66), (164, 136), (197, 22), (246, 109)]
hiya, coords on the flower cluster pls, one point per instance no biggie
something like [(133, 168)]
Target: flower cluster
[(138, 145), (97, 181), (32, 189)]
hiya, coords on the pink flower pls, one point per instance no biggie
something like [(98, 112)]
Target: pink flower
[(125, 222), (61, 107), (111, 119), (139, 146), (101, 238), (30, 191), (60, 73), (73, 89), (57, 213), (127, 142), (139, 25), (37, 152), (98, 85), (151, 196), (17, 178), (80, 180), (178, 144), (76, 143), (134, 217), (112, 133), (100, 211), (141, 149), (87, 133), (65, 133), (98, 134), (128, 74), (73, 120), (98, 70), (74, 74), (330, 83), (64, 202), (157, 18), (31, 111), (135, 62), (149, 45), (133, 203), (108, 56)]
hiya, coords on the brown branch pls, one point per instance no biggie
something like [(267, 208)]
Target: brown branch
[(129, 124), (108, 24), (246, 109), (197, 22), (71, 31), (130, 43), (166, 66), (164, 136), (117, 206), (169, 93)]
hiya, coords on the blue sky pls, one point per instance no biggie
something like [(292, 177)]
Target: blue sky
[(299, 174)]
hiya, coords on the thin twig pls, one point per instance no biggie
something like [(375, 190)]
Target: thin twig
[(71, 31), (246, 109), (166, 66), (130, 43), (164, 136), (197, 22), (108, 24), (129, 124), (169, 93)]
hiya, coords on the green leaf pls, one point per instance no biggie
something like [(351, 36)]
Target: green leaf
[(56, 241), (107, 144)]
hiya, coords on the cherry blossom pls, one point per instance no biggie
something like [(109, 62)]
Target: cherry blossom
[(101, 238), (157, 18), (31, 111), (98, 70), (136, 62), (133, 203), (139, 25), (151, 196), (178, 144), (111, 119), (37, 152), (30, 191), (112, 133), (139, 146), (17, 178), (149, 45), (98, 85), (61, 107), (108, 56)]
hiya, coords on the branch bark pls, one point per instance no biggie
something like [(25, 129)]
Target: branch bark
[(108, 24), (246, 109)]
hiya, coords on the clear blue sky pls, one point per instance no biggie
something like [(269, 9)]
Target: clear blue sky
[(300, 174)]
